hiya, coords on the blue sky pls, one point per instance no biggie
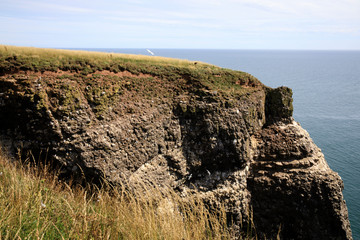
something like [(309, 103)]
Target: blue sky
[(213, 24)]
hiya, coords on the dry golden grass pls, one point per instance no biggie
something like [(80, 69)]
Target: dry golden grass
[(61, 53), (34, 204)]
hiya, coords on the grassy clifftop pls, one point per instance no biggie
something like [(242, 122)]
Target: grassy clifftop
[(13, 59), (62, 80)]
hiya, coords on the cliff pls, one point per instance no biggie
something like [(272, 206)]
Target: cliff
[(191, 126)]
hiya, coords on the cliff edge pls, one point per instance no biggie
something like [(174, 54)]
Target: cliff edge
[(191, 126)]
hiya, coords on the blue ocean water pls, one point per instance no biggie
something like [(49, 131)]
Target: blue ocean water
[(326, 87)]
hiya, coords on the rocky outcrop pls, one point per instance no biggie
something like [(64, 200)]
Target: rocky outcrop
[(292, 187), (243, 150)]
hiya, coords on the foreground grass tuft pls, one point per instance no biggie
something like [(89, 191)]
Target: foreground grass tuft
[(34, 204)]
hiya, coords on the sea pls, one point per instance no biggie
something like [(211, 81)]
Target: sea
[(326, 93)]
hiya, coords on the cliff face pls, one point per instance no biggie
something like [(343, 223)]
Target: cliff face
[(194, 127)]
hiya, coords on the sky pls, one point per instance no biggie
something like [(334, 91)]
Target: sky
[(201, 24)]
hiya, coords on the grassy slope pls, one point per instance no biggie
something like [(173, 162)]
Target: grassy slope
[(69, 78), (82, 62), (36, 205)]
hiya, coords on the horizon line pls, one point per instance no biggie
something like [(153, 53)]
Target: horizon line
[(189, 48)]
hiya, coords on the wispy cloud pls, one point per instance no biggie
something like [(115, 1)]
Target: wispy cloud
[(163, 21), (48, 6), (204, 20)]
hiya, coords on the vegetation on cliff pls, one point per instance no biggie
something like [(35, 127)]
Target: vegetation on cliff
[(61, 80), (35, 204)]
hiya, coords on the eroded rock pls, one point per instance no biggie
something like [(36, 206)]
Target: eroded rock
[(244, 151)]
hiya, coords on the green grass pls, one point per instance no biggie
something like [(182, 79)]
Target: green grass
[(198, 74), (71, 78), (35, 204)]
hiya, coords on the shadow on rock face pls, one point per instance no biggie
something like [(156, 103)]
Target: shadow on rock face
[(278, 104)]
